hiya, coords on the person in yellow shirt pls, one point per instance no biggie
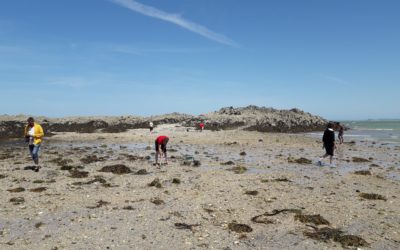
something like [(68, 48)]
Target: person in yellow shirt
[(33, 135)]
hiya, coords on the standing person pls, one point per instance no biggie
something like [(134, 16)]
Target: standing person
[(201, 125), (328, 140), (151, 126), (340, 135), (161, 148), (33, 135)]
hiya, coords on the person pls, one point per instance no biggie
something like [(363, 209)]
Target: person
[(201, 125), (161, 148), (328, 140), (340, 134), (33, 135), (151, 126)]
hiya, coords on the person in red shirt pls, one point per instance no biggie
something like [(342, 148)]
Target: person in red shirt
[(201, 125), (161, 148)]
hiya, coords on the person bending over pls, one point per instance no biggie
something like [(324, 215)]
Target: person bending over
[(161, 148)]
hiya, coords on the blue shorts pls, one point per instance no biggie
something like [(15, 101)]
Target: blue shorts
[(34, 150)]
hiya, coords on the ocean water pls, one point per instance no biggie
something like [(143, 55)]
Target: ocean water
[(384, 131)]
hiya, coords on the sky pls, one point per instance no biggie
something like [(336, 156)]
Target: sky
[(337, 59)]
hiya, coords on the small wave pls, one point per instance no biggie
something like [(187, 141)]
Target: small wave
[(374, 129)]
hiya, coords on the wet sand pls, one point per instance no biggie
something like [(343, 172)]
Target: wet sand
[(221, 190)]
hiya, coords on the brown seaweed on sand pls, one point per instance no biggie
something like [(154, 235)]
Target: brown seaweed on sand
[(155, 183), (313, 218), (78, 174), (359, 159), (185, 226), (326, 233), (157, 201), (238, 169), (372, 196), (285, 210), (16, 190), (253, 192), (239, 228), (142, 172), (262, 218), (100, 203), (363, 172), (116, 169), (91, 158), (17, 200), (38, 189), (301, 160)]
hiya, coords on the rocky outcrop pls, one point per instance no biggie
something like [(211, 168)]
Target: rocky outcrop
[(250, 118), (263, 119)]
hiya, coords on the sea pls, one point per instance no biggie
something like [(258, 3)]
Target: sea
[(382, 131)]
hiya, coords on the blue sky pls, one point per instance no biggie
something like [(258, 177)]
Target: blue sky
[(338, 59)]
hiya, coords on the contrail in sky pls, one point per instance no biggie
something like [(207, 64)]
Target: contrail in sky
[(175, 19)]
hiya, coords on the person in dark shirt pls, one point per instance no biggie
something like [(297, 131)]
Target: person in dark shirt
[(340, 135), (328, 140), (161, 148)]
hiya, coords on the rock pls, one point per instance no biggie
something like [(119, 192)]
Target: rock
[(252, 118)]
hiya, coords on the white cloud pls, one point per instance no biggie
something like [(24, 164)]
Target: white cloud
[(175, 19)]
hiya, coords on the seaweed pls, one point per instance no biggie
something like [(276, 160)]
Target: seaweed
[(17, 200), (239, 228), (262, 218), (157, 201), (142, 172), (38, 189), (359, 159), (238, 169), (78, 174), (301, 160), (315, 219), (16, 190), (363, 172), (155, 183), (116, 169), (255, 192), (100, 203), (370, 196), (176, 181), (179, 225), (325, 234)]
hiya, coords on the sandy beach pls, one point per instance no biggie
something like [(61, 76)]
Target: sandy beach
[(229, 189)]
